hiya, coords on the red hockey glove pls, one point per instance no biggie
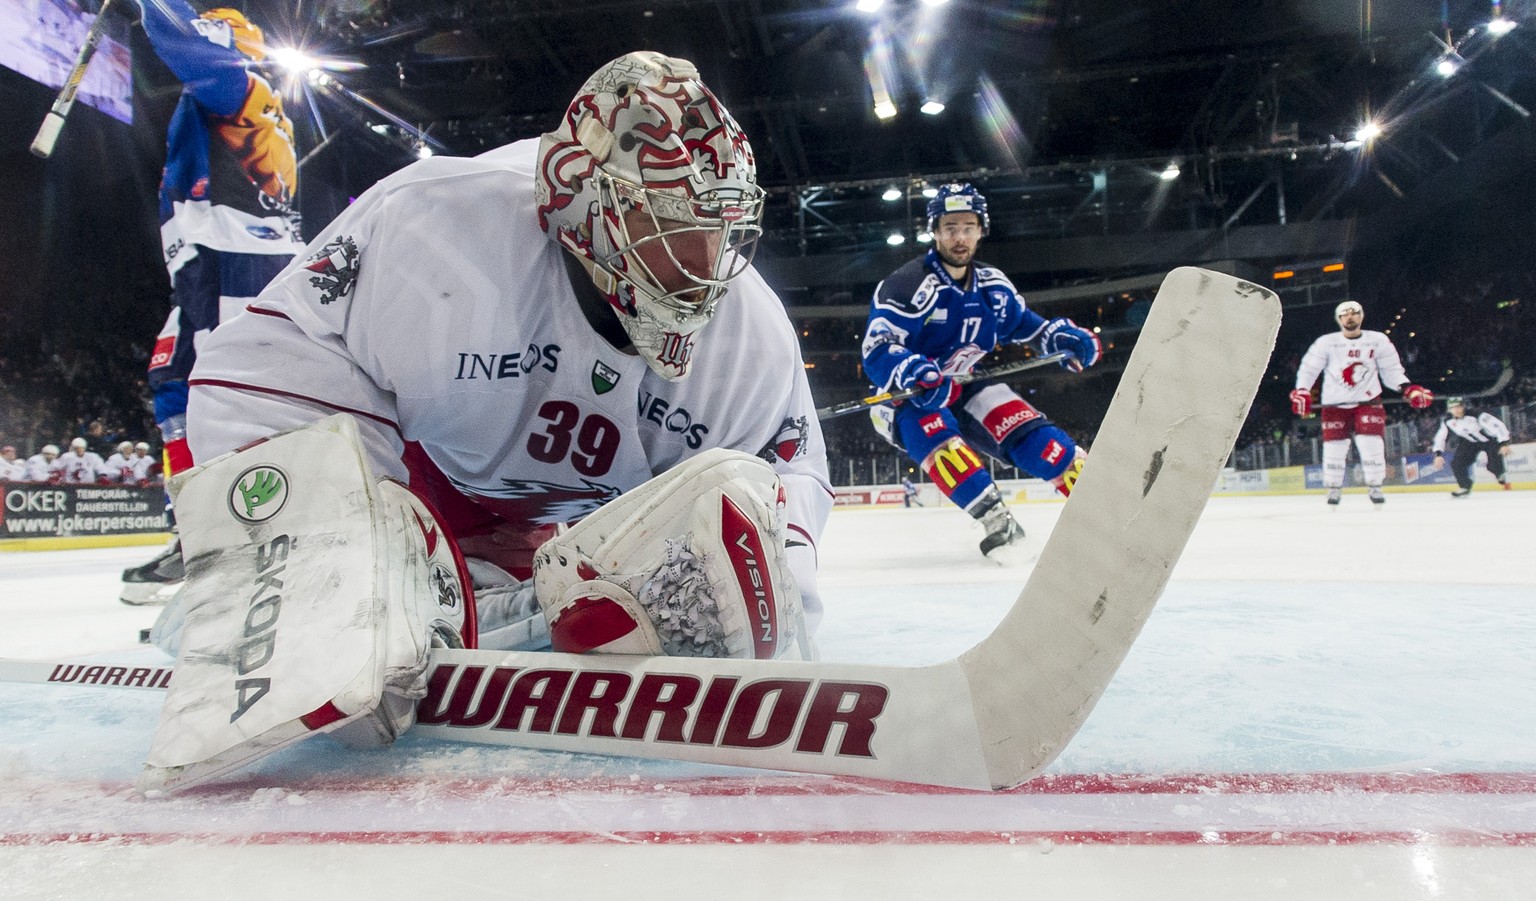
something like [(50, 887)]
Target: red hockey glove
[(1301, 401), (1418, 396)]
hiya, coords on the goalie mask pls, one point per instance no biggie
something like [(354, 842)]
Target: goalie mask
[(652, 185)]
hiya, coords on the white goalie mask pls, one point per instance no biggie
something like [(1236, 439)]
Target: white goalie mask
[(652, 185)]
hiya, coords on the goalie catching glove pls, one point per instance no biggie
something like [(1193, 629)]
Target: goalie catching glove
[(689, 564)]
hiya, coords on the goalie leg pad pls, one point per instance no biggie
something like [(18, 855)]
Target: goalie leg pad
[(311, 592), (691, 564)]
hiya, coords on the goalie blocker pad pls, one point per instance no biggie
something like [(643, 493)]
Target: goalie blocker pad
[(689, 564), (313, 597)]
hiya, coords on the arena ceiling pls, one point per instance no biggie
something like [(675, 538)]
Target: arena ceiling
[(1070, 109)]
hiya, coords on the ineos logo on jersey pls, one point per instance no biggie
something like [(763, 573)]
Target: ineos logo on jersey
[(495, 367), (673, 419), (258, 494)]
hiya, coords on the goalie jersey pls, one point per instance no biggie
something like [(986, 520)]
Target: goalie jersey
[(437, 312)]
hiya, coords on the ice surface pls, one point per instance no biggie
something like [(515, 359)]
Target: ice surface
[(1327, 703)]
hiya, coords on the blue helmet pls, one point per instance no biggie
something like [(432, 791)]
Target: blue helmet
[(958, 198)]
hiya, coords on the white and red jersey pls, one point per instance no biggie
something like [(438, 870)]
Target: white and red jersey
[(70, 468), (438, 312), (120, 469), (140, 466), (13, 470), (37, 468), (1353, 369)]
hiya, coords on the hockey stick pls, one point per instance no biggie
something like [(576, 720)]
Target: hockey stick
[(48, 132), (1002, 369), (1506, 376), (991, 718)]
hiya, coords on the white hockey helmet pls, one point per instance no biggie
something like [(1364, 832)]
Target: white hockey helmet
[(142, 446), (78, 444), (125, 448), (1348, 306), (652, 185), (50, 451)]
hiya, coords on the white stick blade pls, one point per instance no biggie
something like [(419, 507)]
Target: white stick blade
[(1158, 454)]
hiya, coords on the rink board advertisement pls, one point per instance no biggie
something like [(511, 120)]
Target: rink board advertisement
[(66, 511)]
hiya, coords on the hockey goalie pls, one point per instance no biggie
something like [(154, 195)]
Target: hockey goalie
[(476, 354)]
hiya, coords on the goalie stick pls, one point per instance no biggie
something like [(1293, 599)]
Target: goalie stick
[(998, 371), (48, 132), (993, 717)]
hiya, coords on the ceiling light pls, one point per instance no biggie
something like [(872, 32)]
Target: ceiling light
[(1368, 132), (1447, 66), (423, 151), (924, 237), (1501, 25), (884, 109), (1170, 173), (891, 194), (896, 239), (932, 108), (869, 6), (293, 59), (930, 192)]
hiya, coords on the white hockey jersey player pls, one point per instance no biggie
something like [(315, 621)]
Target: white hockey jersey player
[(1353, 369), (78, 467), (143, 464), (39, 466), (119, 466), (509, 334), (461, 334), (11, 469)]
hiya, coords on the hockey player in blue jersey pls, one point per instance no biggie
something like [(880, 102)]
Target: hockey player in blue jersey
[(228, 219), (934, 319)]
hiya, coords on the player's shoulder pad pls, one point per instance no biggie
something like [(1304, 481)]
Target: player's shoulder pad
[(990, 276), (910, 291)]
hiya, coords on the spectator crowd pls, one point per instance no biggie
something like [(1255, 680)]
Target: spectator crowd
[(69, 416)]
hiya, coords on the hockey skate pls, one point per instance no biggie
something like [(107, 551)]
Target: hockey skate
[(1002, 528), (1334, 496), (1376, 496), (156, 582), (1461, 492)]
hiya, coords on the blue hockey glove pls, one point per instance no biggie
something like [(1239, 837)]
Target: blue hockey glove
[(941, 391), (1083, 345)]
